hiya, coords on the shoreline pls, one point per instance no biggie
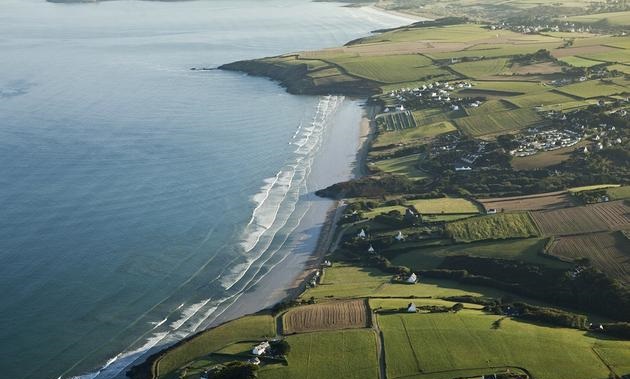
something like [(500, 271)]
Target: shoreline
[(329, 230)]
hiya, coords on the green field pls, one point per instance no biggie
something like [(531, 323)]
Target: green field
[(417, 133), (246, 328), (620, 67), (612, 18), (491, 227), (538, 99), (527, 250), (390, 68), (457, 344), (579, 62), (482, 68), (444, 205), (491, 106), (619, 193), (406, 165), (592, 88), (500, 122), (338, 354), (345, 281)]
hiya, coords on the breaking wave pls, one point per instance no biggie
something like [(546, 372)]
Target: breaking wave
[(276, 214)]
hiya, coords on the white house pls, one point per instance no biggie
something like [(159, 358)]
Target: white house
[(260, 348), (412, 278), (371, 250), (361, 234), (411, 308)]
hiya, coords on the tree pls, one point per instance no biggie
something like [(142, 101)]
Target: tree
[(457, 307), (281, 347), (236, 370)]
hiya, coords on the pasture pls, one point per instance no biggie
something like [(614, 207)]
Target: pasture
[(550, 200), (336, 354), (457, 344), (418, 133), (592, 88), (326, 316), (607, 251), (500, 122), (482, 68), (406, 165), (348, 282), (492, 227), (539, 99), (443, 205), (390, 68), (619, 193), (527, 250), (579, 62), (612, 18)]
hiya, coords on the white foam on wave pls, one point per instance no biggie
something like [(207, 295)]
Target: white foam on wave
[(272, 195), (274, 192)]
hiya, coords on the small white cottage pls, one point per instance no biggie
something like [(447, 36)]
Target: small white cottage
[(412, 278), (260, 348), (361, 234), (411, 308)]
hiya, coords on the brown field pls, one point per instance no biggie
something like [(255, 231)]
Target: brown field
[(543, 201), (585, 219), (326, 316), (608, 252), (616, 214)]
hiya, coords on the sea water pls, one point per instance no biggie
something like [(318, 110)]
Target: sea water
[(142, 201)]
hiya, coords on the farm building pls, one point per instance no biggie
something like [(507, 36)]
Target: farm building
[(261, 348), (371, 250), (412, 279), (361, 234), (411, 308)]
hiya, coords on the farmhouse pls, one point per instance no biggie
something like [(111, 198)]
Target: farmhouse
[(361, 234), (371, 250), (261, 348), (411, 308), (412, 279)]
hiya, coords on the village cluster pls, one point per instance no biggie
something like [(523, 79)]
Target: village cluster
[(564, 27), (431, 95), (536, 141)]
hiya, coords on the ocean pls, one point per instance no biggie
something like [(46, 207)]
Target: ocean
[(142, 201)]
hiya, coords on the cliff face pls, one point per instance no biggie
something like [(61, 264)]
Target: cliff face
[(296, 80)]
